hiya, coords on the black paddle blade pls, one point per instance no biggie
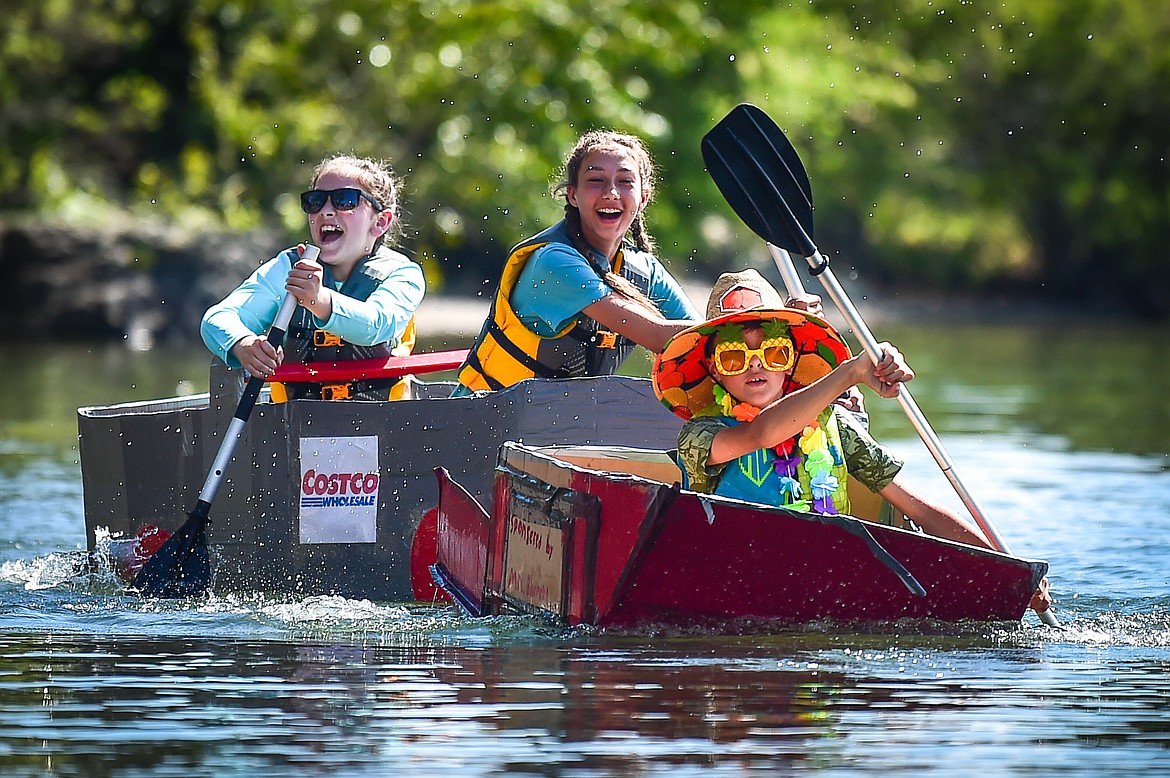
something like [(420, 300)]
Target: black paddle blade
[(762, 178), (181, 567)]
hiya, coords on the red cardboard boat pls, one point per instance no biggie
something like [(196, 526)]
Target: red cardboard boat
[(605, 536)]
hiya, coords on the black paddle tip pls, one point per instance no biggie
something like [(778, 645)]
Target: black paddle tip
[(762, 178), (181, 568)]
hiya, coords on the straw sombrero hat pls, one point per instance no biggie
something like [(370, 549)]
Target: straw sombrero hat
[(680, 376)]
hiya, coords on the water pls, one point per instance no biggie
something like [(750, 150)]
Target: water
[(1060, 433)]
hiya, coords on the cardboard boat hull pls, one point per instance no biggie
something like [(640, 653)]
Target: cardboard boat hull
[(145, 463), (621, 549)]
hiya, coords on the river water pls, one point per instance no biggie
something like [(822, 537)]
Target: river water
[(1061, 432)]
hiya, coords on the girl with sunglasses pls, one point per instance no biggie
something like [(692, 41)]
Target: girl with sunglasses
[(575, 299), (756, 385), (356, 302)]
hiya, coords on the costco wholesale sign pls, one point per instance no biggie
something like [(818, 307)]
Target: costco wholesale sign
[(339, 490)]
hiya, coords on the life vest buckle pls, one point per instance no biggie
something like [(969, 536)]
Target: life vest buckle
[(605, 339), (326, 339), (336, 391)]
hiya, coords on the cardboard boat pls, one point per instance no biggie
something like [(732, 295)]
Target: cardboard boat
[(331, 497), (605, 536)]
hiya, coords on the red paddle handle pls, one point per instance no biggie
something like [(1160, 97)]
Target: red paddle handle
[(369, 369)]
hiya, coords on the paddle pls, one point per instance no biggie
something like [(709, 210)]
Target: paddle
[(788, 274), (765, 183), (182, 568)]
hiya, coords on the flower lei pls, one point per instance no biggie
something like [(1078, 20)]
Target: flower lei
[(818, 461), (819, 458), (811, 446), (742, 412)]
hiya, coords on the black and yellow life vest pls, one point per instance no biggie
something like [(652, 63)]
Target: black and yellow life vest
[(507, 351), (306, 342)]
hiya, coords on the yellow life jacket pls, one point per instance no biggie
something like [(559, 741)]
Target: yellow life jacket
[(507, 351)]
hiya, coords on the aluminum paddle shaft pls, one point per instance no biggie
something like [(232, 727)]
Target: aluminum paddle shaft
[(239, 422), (182, 566), (913, 412)]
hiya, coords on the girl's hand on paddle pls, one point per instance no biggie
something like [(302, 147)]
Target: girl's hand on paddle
[(259, 357), (888, 375), (304, 283)]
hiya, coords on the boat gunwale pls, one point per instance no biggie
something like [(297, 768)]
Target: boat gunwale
[(540, 451), (187, 402)]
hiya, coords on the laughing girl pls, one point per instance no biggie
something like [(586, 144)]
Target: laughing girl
[(575, 299), (357, 301)]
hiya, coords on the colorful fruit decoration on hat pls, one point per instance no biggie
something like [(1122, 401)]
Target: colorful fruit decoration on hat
[(679, 373)]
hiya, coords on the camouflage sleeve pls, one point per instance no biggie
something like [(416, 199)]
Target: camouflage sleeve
[(867, 460), (694, 448)]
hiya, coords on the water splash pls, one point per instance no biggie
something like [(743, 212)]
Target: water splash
[(69, 570)]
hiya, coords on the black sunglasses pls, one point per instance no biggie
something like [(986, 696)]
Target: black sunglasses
[(345, 199)]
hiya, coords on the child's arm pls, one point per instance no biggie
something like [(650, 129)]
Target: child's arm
[(384, 315), (791, 413), (935, 518), (246, 313), (635, 321), (942, 522)]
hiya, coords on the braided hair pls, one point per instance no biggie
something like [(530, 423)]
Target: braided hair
[(376, 177), (605, 141)]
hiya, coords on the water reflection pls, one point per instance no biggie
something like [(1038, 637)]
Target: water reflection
[(105, 706)]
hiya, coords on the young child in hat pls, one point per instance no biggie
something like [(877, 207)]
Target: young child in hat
[(757, 385)]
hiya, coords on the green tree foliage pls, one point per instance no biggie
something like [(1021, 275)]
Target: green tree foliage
[(977, 145), (949, 142)]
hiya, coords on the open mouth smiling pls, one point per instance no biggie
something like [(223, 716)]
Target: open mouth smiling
[(331, 232), (609, 214)]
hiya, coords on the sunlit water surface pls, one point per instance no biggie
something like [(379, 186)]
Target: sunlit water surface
[(1070, 463)]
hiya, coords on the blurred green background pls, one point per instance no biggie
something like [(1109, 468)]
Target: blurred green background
[(1013, 147)]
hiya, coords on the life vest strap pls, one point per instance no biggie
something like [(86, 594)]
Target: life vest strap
[(473, 362), (514, 351), (598, 338), (326, 339)]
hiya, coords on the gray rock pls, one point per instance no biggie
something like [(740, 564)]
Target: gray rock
[(147, 285)]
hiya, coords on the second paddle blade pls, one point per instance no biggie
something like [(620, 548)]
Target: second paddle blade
[(762, 178)]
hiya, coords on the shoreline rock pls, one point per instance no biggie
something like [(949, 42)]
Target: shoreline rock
[(150, 285)]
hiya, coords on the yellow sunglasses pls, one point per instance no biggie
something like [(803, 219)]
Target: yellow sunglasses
[(733, 357)]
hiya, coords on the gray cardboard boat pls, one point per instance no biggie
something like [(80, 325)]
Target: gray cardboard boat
[(329, 497)]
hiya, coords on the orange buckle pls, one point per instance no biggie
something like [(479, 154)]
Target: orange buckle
[(323, 338), (336, 391), (606, 339)]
